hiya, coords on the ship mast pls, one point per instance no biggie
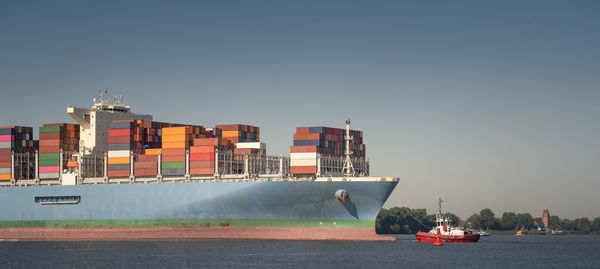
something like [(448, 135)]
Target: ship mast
[(440, 201), (348, 167)]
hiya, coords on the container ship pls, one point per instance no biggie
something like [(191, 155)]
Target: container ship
[(116, 175)]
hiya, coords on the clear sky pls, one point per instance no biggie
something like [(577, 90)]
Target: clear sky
[(484, 103)]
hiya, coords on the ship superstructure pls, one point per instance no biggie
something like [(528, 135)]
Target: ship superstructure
[(94, 122)]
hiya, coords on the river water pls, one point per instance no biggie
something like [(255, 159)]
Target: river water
[(496, 251)]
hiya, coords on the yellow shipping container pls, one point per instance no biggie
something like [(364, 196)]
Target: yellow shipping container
[(231, 133), (175, 145), (152, 151), (176, 130), (176, 138), (5, 177), (118, 160)]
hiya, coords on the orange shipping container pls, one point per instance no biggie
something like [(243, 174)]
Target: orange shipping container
[(297, 149), (152, 151), (8, 176), (303, 169), (176, 138), (176, 130), (313, 136), (207, 141), (202, 149), (175, 145), (118, 173), (202, 171), (302, 130), (119, 160)]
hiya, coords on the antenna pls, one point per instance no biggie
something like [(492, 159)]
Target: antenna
[(348, 167), (440, 201)]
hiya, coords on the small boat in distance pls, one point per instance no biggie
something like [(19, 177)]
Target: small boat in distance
[(522, 231), (447, 232), (484, 233)]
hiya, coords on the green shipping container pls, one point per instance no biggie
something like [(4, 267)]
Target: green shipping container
[(50, 129), (50, 156), (49, 162), (178, 165)]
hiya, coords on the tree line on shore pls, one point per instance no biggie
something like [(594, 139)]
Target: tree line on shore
[(403, 220)]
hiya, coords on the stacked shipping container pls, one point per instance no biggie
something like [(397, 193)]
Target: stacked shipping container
[(124, 137), (53, 139), (310, 141), (239, 132), (175, 142), (16, 139)]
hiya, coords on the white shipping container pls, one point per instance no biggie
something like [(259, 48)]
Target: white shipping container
[(303, 155), (5, 145), (119, 153), (303, 162), (48, 175), (251, 145)]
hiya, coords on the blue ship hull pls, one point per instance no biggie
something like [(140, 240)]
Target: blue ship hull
[(278, 203)]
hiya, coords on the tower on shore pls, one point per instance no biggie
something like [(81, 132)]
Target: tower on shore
[(546, 219)]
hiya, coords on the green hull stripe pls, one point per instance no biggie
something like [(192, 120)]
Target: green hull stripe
[(189, 222)]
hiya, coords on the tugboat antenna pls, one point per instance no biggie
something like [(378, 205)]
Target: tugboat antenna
[(440, 201)]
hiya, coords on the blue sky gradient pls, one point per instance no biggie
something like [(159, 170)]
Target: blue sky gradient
[(484, 103)]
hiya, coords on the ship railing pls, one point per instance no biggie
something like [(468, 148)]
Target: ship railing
[(228, 166), (334, 166), (91, 167), (23, 169)]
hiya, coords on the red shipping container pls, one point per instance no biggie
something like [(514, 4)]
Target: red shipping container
[(5, 158), (118, 173), (173, 158), (5, 151), (202, 171), (202, 156), (145, 172), (145, 165), (297, 149), (119, 139), (50, 142), (303, 169), (310, 136), (46, 136), (50, 149), (173, 152), (5, 164), (202, 149), (120, 132), (202, 164)]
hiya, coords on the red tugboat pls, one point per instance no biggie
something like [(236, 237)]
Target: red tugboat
[(446, 231)]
